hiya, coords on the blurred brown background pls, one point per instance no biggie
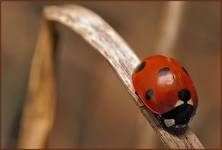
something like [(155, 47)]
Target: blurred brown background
[(93, 107)]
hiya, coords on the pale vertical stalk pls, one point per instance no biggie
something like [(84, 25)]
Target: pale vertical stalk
[(38, 114), (169, 29)]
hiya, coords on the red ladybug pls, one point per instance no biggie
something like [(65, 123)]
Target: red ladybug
[(166, 89)]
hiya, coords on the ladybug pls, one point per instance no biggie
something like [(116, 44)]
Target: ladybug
[(166, 89)]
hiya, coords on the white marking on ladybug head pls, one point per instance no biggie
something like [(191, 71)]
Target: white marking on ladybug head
[(190, 102), (169, 122), (179, 102)]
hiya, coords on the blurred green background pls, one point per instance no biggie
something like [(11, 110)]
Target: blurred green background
[(93, 107)]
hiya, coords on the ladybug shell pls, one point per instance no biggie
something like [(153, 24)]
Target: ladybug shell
[(158, 81)]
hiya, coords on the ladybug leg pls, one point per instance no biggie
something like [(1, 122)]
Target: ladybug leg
[(159, 118)]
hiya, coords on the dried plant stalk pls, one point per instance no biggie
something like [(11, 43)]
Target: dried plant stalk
[(120, 56), (38, 114)]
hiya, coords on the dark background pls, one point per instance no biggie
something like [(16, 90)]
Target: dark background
[(93, 107)]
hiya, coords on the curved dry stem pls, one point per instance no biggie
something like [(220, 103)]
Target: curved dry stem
[(120, 56)]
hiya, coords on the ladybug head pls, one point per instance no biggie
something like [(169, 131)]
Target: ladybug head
[(182, 113)]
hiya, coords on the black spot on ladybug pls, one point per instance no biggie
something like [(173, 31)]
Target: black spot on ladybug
[(185, 70), (149, 94), (184, 95), (140, 67)]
